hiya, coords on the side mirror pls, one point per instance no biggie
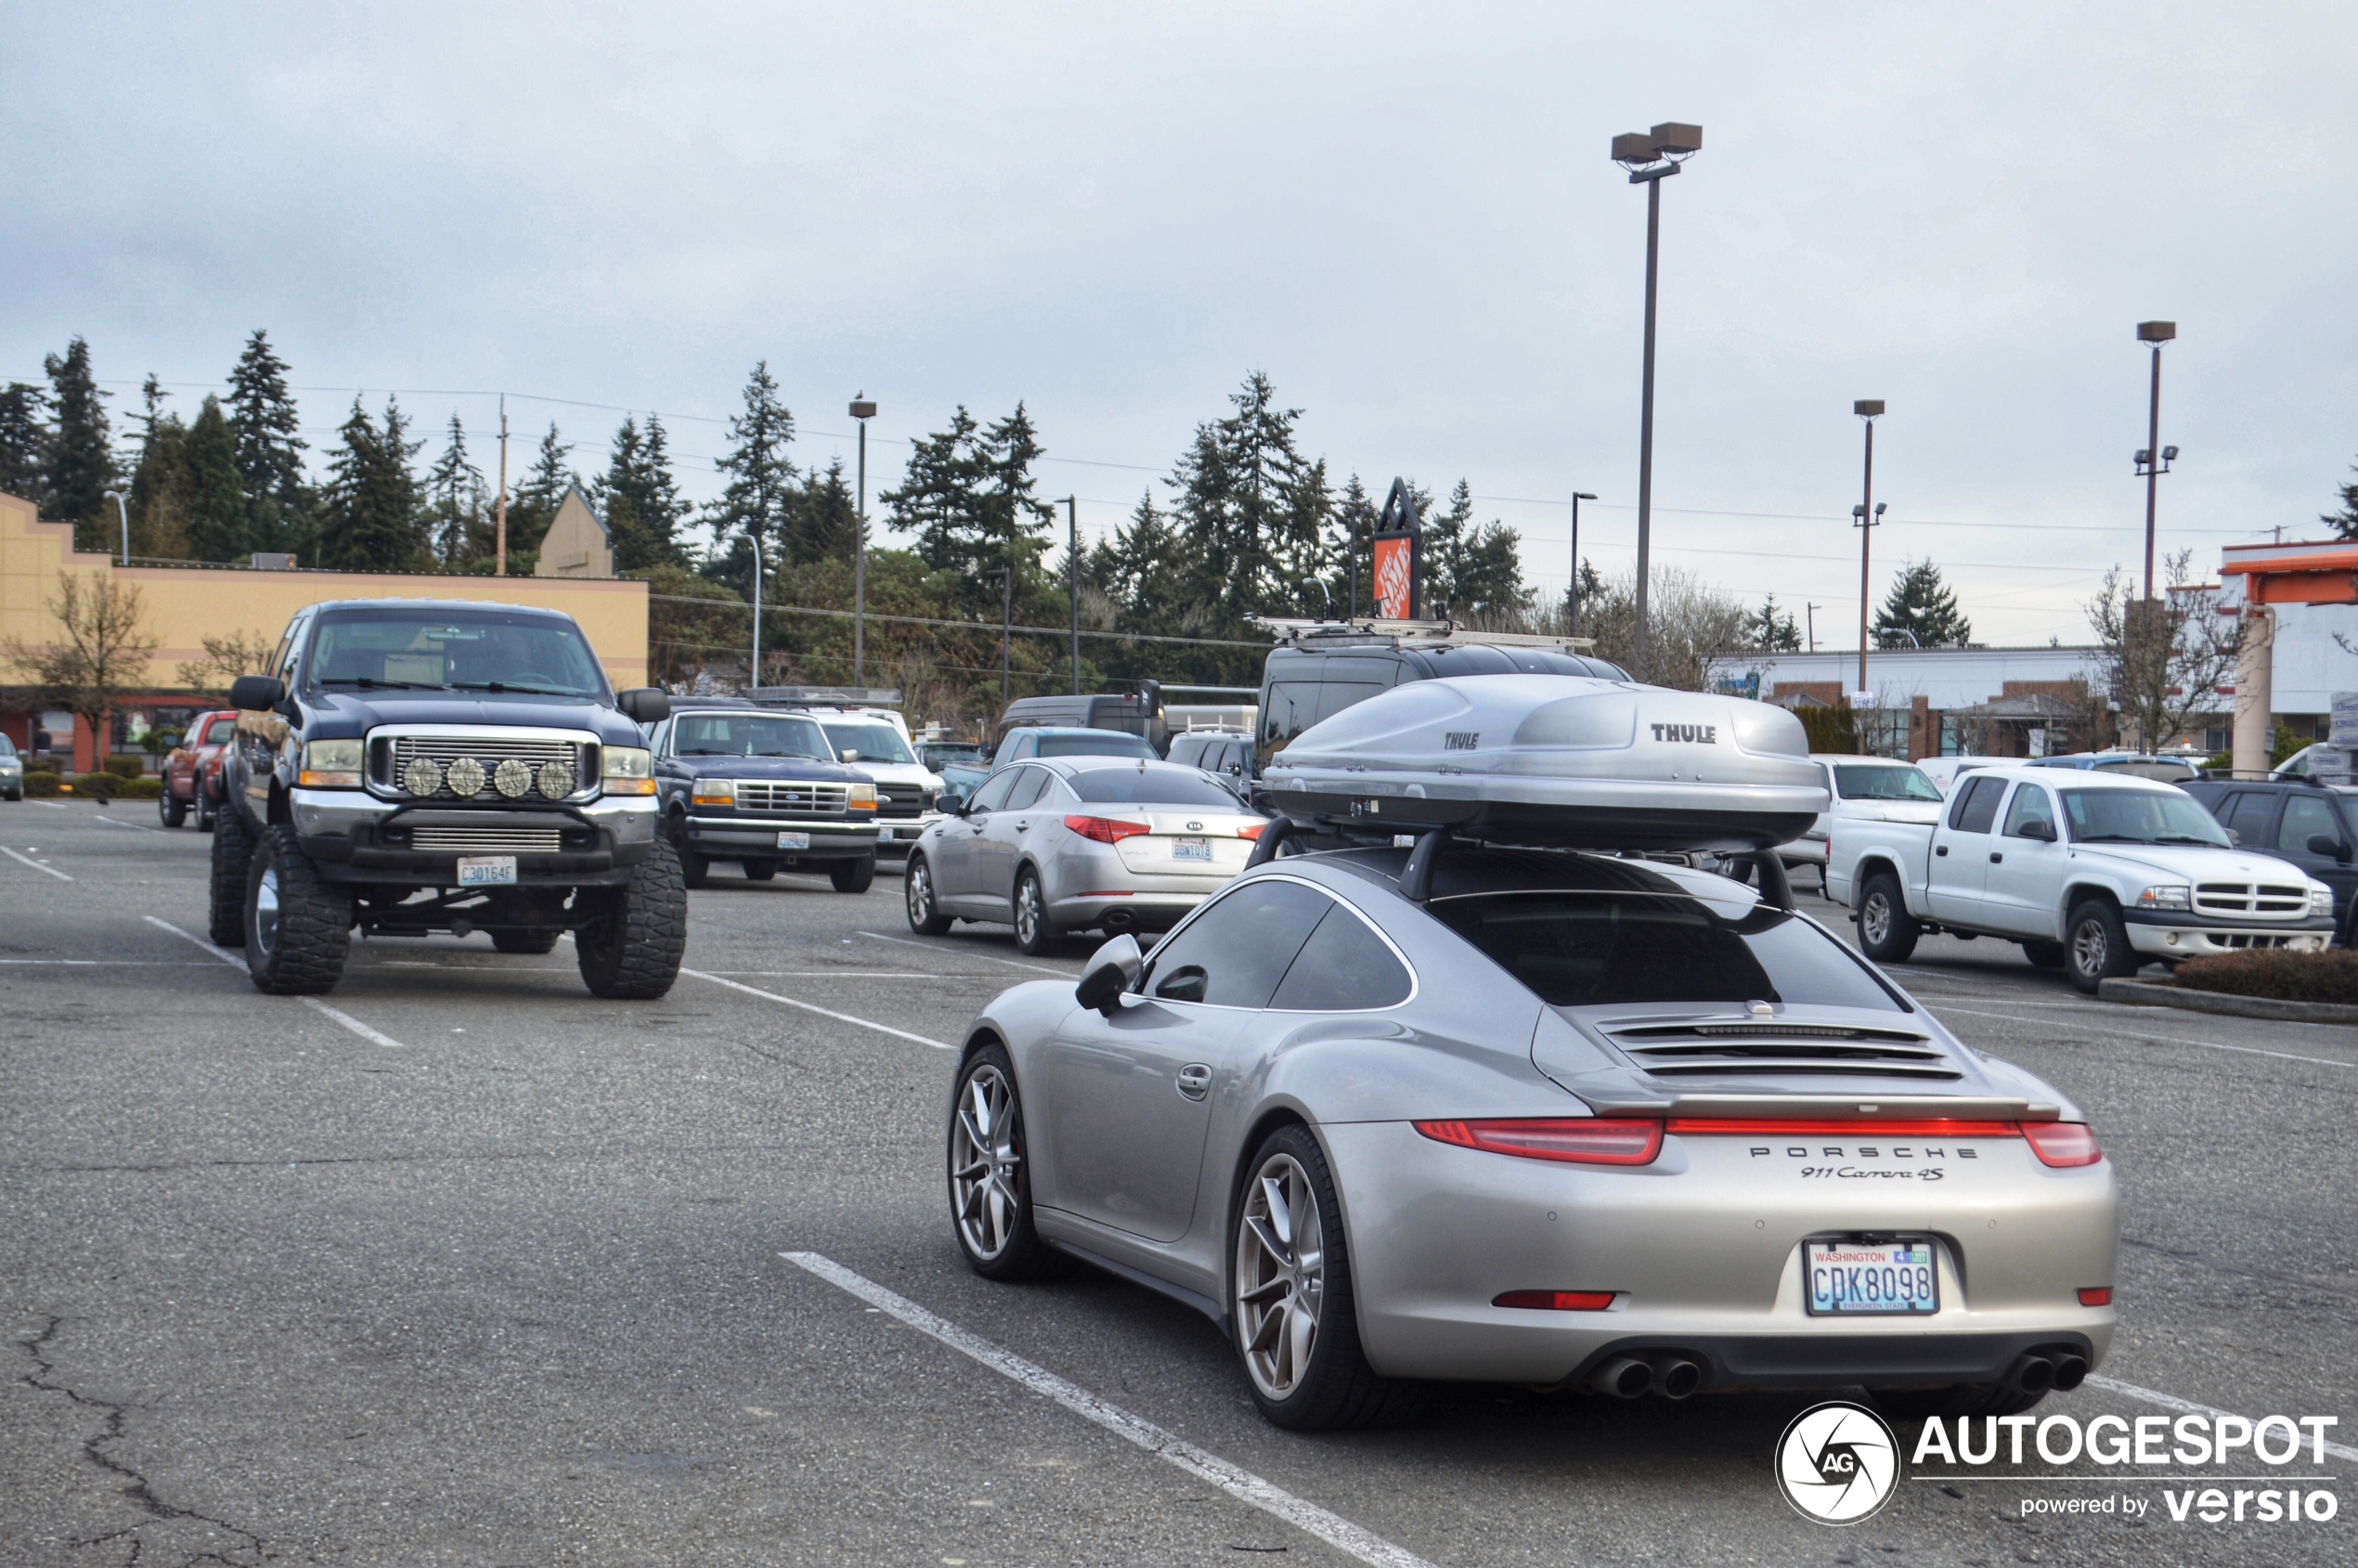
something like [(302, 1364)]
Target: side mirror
[(952, 800), (1110, 970), (2325, 844), (257, 694), (644, 705), (848, 754)]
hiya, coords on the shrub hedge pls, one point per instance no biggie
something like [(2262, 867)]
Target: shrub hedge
[(41, 784), (2331, 976), (124, 766), (114, 787)]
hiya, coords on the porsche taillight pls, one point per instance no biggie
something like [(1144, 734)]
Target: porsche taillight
[(1581, 1141), (1556, 1301), (1106, 830), (2062, 1144)]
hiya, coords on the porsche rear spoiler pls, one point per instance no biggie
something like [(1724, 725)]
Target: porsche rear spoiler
[(1818, 1108)]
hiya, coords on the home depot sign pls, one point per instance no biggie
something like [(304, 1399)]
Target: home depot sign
[(1399, 558)]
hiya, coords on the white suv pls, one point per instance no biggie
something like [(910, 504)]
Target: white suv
[(876, 741)]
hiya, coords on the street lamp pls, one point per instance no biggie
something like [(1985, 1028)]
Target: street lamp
[(1869, 410), (863, 410), (1651, 157), (120, 510), (2156, 334), (1572, 596)]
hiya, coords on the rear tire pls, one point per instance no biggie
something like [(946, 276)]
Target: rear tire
[(1887, 932), (526, 941), (232, 858), (631, 951), (759, 870), (2096, 946), (171, 808), (2044, 955), (854, 876), (298, 925), (991, 1176), (1297, 1326), (207, 812), (1035, 933), (695, 871), (917, 895)]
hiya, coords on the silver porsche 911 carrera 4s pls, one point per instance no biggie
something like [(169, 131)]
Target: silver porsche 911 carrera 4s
[(1545, 1117)]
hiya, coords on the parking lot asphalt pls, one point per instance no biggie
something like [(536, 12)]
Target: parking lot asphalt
[(461, 1265)]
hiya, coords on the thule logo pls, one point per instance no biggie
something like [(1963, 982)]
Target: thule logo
[(1461, 740), (1700, 735)]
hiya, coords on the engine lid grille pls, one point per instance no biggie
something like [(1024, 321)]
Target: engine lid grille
[(1676, 1050)]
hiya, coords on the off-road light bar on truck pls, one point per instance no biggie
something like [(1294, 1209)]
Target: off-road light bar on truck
[(1628, 1141)]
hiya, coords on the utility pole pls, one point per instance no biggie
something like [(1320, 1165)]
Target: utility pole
[(1867, 410), (1571, 594), (1812, 611), (863, 410), (1072, 574), (501, 509)]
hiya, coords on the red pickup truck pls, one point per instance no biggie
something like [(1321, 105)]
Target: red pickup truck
[(192, 773)]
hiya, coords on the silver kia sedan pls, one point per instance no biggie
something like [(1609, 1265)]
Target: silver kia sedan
[(1547, 1118), (1079, 843)]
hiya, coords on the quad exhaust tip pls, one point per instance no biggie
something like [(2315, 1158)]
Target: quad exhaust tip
[(1676, 1377), (2071, 1371), (1669, 1374), (2035, 1374), (1624, 1377)]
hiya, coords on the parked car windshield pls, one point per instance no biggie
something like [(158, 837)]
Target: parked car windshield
[(473, 650), (1859, 781), (748, 734), (1156, 785), (1577, 949), (2139, 816), (1094, 746), (875, 741)]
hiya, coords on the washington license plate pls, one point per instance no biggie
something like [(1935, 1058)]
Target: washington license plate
[(486, 870), (794, 841), (1871, 1278), (1191, 848)]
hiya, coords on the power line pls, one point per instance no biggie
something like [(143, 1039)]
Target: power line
[(959, 626)]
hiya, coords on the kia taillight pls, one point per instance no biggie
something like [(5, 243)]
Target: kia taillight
[(1557, 1301), (1250, 830), (1585, 1141), (2062, 1143), (1105, 830)]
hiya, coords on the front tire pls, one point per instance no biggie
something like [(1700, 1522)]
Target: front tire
[(917, 895), (990, 1177), (2044, 955), (2096, 946), (232, 858), (1888, 933), (1035, 934), (631, 951), (854, 876), (298, 927), (759, 870), (1290, 1295), (171, 808)]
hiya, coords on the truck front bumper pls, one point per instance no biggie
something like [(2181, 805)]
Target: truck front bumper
[(2173, 937), (896, 835), (763, 838), (353, 837)]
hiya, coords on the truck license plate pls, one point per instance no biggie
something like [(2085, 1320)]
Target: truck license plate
[(1191, 848), (794, 841), (486, 870), (1871, 1278)]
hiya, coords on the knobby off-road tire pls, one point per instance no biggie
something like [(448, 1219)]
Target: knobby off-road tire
[(918, 897), (2096, 946), (631, 951), (1287, 1211), (298, 925), (991, 1174), (854, 876), (526, 941), (1887, 932), (232, 858)]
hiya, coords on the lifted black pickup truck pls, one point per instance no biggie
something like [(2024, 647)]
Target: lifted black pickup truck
[(410, 766)]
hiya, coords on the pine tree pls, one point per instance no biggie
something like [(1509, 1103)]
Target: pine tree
[(1250, 527), (459, 523), (532, 506), (825, 523), (939, 499), (763, 483), (2343, 523), (80, 452), (217, 528), (24, 443), (1921, 604), (1354, 524), (1774, 630), (161, 483), (639, 499), (1474, 569), (265, 426), (369, 516), (1016, 521)]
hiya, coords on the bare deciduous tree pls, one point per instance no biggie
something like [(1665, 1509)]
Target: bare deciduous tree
[(225, 658), (101, 651), (1695, 628), (2163, 660)]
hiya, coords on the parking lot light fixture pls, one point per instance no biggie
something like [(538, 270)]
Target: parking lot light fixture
[(2156, 334), (862, 410), (1651, 157), (116, 496), (1865, 515), (1571, 594)]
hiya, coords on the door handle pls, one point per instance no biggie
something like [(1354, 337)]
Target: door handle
[(1995, 857), (1194, 1080), (1940, 848)]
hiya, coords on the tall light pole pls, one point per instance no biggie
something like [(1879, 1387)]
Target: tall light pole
[(499, 512), (1072, 580), (863, 410), (1572, 596), (1651, 157), (2154, 461), (1867, 514), (120, 512), (1812, 611)]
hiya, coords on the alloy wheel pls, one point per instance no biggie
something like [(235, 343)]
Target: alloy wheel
[(1281, 1276), (986, 1163), (265, 911), (2090, 948), (1029, 913), (919, 892), (1875, 920)]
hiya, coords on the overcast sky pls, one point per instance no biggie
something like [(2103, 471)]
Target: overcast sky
[(1404, 214)]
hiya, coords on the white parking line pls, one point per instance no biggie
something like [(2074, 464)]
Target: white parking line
[(2162, 1038), (118, 821), (239, 963), (2188, 1407), (986, 957), (845, 975), (35, 864), (822, 1012), (1239, 1483), (53, 805), (112, 963)]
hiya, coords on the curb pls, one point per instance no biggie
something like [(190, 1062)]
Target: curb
[(2146, 993)]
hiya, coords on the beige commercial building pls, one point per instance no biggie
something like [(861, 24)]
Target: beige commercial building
[(180, 606)]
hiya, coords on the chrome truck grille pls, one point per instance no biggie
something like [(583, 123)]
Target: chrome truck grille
[(488, 839), (479, 767), (2264, 901), (797, 799)]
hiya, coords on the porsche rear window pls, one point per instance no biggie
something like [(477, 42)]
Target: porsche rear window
[(1611, 948)]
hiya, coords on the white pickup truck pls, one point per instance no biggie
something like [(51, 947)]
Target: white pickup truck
[(2093, 874)]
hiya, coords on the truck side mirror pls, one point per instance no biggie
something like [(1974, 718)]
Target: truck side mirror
[(257, 694), (644, 705), (2325, 844), (1110, 970)]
